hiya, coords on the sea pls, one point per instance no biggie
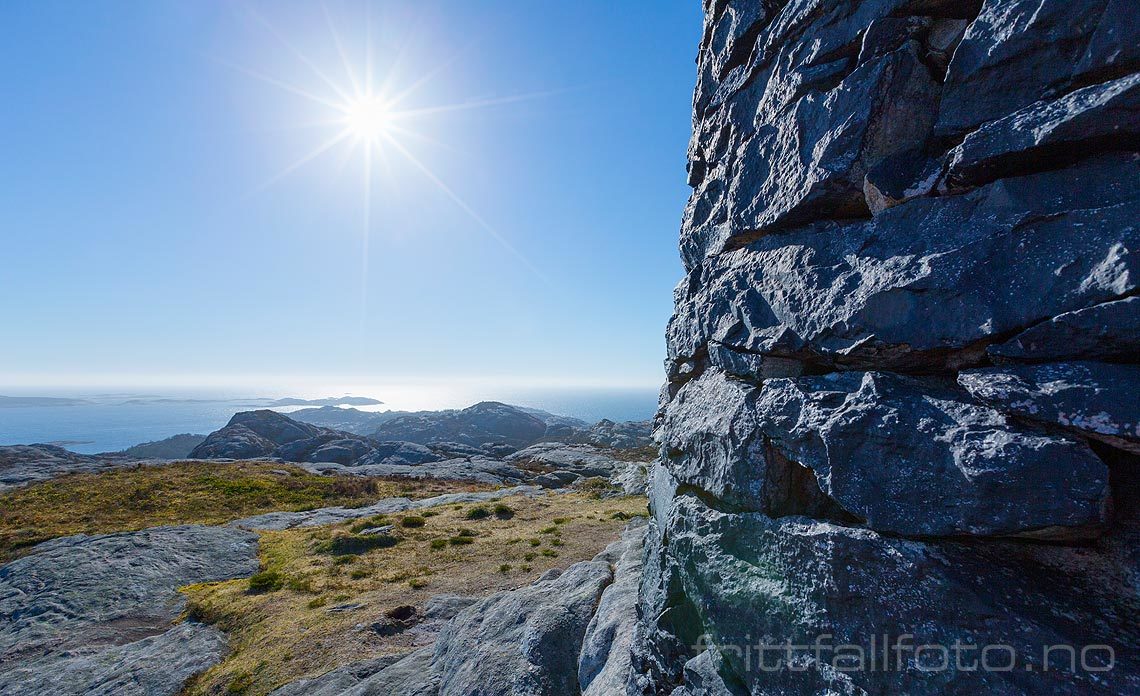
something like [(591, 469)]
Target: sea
[(112, 420)]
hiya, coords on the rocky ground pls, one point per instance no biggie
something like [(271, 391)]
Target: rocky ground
[(480, 535)]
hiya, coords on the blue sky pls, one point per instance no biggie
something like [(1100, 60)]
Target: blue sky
[(148, 235)]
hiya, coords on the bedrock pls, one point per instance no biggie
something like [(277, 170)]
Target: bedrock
[(901, 399)]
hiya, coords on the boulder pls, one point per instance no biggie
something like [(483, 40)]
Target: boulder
[(522, 642)]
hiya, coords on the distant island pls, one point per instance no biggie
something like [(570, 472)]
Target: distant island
[(333, 401), (37, 401)]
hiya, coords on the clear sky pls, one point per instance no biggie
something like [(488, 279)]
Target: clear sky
[(160, 223)]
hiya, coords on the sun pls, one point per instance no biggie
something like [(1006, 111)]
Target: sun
[(371, 114), (368, 118)]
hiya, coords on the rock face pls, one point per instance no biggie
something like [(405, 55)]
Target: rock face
[(92, 614), (903, 356)]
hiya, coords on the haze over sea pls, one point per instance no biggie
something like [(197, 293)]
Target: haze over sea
[(108, 420)]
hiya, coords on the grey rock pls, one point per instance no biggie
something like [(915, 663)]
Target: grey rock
[(524, 641), (604, 433), (900, 455), (446, 606), (338, 681), (235, 441), (1103, 115), (92, 614), (740, 581), (1108, 331), (1095, 399), (80, 590), (156, 666), (563, 464), (1020, 51), (876, 294), (897, 206), (605, 662), (398, 453), (21, 465), (411, 676), (899, 178)]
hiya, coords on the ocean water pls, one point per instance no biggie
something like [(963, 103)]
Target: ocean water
[(108, 422)]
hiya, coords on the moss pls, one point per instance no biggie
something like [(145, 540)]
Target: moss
[(265, 581), (355, 544)]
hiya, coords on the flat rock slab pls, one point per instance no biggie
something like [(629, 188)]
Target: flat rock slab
[(1099, 400), (335, 515), (79, 590), (156, 666), (92, 614)]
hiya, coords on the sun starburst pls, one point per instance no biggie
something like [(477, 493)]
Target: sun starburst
[(367, 112)]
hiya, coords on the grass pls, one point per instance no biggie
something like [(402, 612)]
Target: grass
[(478, 513), (183, 493), (283, 635)]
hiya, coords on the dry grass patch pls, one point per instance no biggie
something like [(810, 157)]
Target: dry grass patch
[(183, 493), (319, 617)]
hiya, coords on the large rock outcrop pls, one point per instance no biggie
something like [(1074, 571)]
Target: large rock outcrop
[(901, 406), (92, 614)]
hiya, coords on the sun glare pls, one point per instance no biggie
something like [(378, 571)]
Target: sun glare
[(368, 118), (372, 118)]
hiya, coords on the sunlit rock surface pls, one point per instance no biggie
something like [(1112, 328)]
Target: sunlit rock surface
[(902, 401)]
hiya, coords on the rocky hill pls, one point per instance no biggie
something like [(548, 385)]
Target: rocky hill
[(902, 396), (173, 447), (486, 421)]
